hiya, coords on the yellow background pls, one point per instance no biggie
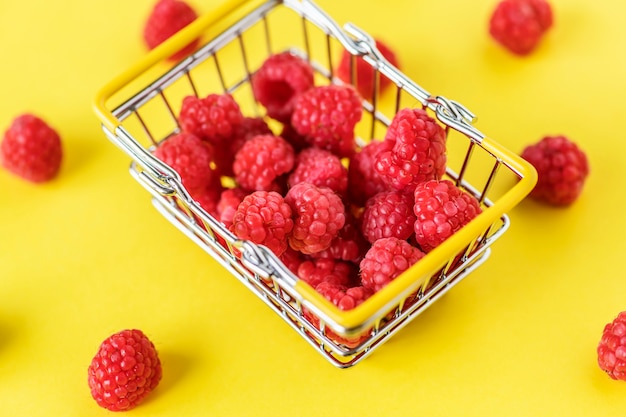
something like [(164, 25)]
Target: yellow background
[(86, 255)]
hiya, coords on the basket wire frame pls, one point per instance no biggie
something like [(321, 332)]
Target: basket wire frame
[(255, 266)]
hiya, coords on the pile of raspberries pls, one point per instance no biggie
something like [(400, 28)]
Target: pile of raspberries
[(345, 219)]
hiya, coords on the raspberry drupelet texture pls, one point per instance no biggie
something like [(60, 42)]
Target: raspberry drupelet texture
[(388, 214), (214, 118), (441, 209), (612, 348), (365, 73), (190, 157), (363, 179), (346, 298), (418, 153), (386, 260), (316, 271), (264, 218), (327, 115), (124, 371), (321, 168), (31, 149), (562, 168), (261, 160), (319, 215), (519, 25), (243, 132), (279, 81), (292, 259), (349, 245), (166, 18)]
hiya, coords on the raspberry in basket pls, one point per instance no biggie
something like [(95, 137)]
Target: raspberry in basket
[(441, 209), (388, 214), (519, 25), (124, 371), (261, 160), (264, 218), (612, 348), (319, 215), (562, 169), (249, 128), (214, 118), (279, 81), (418, 153), (320, 167), (386, 260), (365, 72), (190, 157), (349, 245), (326, 116), (364, 181), (166, 18), (227, 204), (316, 271), (31, 149)]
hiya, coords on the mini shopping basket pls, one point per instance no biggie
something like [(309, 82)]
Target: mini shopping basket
[(139, 108)]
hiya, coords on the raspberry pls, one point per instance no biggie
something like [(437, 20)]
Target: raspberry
[(261, 160), (418, 153), (364, 181), (124, 371), (31, 149), (519, 25), (365, 72), (190, 157), (294, 138), (292, 259), (243, 132), (264, 218), (228, 202), (343, 297), (209, 197), (349, 245), (214, 118), (612, 348), (388, 214), (316, 271), (279, 81), (327, 116), (441, 209), (321, 168), (386, 260), (562, 169), (166, 18), (319, 215)]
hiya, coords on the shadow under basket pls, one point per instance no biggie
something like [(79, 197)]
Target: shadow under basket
[(139, 109)]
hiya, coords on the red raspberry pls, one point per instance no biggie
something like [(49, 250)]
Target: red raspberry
[(292, 259), (562, 169), (612, 348), (343, 297), (519, 25), (124, 371), (214, 118), (316, 271), (364, 181), (264, 218), (388, 214), (228, 202), (31, 149), (166, 18), (209, 197), (249, 128), (418, 153), (261, 160), (190, 157), (441, 209), (349, 245), (319, 215), (279, 81), (321, 168), (294, 138), (365, 72), (327, 116), (386, 260)]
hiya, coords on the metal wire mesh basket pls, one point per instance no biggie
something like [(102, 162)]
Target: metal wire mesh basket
[(139, 109)]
